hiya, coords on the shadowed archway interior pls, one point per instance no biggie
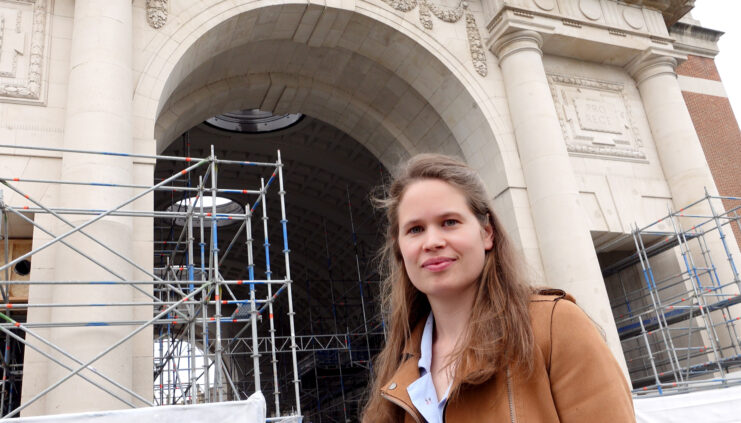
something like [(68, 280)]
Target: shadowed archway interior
[(328, 181)]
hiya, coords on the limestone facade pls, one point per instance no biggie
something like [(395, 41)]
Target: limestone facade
[(570, 109)]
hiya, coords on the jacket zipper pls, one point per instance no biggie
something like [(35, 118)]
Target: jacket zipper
[(510, 396), (403, 406)]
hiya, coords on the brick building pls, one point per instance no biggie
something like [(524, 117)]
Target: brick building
[(708, 104)]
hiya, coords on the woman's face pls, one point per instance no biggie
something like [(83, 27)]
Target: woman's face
[(441, 241)]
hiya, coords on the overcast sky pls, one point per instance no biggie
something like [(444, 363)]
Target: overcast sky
[(723, 15)]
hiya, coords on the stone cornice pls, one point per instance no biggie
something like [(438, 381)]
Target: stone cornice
[(595, 40), (696, 40), (672, 10)]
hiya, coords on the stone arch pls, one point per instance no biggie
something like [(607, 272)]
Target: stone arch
[(276, 59)]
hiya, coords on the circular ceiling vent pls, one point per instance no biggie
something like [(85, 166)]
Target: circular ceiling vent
[(223, 206), (253, 121)]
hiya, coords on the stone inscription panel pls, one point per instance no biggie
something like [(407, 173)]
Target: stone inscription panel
[(598, 116), (595, 118), (22, 42)]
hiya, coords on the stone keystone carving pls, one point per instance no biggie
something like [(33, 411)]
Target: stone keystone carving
[(22, 43), (451, 15), (157, 11)]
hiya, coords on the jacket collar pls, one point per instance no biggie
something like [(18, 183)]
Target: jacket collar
[(395, 389)]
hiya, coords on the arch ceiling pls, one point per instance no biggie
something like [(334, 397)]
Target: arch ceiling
[(396, 91)]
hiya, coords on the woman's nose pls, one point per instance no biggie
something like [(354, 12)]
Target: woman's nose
[(434, 240)]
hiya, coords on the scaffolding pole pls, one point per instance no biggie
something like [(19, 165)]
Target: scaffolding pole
[(268, 276), (182, 303)]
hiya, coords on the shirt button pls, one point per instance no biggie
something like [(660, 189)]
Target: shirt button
[(392, 386)]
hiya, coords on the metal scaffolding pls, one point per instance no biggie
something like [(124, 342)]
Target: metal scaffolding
[(677, 317), (192, 303)]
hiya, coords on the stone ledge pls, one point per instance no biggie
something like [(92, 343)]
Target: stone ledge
[(578, 38), (672, 10)]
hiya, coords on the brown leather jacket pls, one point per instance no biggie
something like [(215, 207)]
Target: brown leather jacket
[(575, 378)]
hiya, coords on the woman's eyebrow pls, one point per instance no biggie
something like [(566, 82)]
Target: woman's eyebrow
[(450, 214)]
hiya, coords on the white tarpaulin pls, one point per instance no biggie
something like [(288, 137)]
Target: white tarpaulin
[(252, 410), (712, 406)]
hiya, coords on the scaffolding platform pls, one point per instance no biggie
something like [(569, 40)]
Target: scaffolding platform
[(671, 317), (675, 299)]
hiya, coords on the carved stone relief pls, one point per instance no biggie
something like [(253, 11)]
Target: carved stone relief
[(157, 11), (545, 4), (23, 33), (595, 118), (633, 17), (618, 17), (591, 9), (452, 15)]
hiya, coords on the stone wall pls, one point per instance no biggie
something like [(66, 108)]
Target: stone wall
[(611, 147)]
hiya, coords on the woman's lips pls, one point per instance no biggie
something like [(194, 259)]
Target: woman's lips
[(437, 264)]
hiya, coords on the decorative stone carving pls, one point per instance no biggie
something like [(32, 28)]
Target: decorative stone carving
[(402, 5), (545, 4), (633, 17), (446, 14), (477, 48), (595, 118), (450, 15), (425, 16), (157, 11), (21, 61), (591, 9)]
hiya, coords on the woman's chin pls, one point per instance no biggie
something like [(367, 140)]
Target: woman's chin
[(445, 292)]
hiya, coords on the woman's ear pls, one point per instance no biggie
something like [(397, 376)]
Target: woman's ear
[(487, 234)]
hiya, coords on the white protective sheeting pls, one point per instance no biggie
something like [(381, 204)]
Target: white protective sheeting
[(251, 410), (291, 419), (712, 406)]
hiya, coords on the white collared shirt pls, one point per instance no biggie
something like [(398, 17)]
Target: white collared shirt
[(422, 391)]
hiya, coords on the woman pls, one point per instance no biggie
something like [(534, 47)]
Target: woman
[(468, 339)]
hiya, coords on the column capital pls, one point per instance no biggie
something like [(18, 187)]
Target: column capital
[(517, 41), (651, 63)]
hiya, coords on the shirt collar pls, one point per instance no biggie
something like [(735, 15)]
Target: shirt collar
[(425, 345)]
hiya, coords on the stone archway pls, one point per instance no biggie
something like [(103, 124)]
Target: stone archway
[(393, 87), (439, 92)]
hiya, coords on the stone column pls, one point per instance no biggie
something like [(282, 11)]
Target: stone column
[(98, 117), (566, 247), (680, 152), (682, 158)]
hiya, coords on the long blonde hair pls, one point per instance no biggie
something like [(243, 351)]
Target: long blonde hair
[(499, 333)]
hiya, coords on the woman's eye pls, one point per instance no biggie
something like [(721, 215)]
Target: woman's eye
[(450, 222), (415, 230)]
